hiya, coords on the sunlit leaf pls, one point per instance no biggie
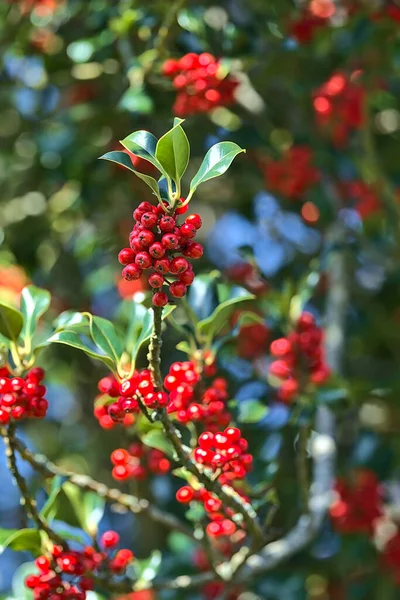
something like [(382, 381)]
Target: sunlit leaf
[(216, 162), (173, 151)]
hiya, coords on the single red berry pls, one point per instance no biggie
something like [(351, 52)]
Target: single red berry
[(188, 230), (193, 250), (120, 456), (170, 67), (131, 272), (206, 440), (32, 581), (109, 539), (145, 238), (145, 207), (178, 289), (233, 434), (194, 220), (167, 224), (160, 299), (43, 564), (4, 417), (179, 265), (162, 265), (126, 256), (157, 250), (280, 347), (170, 241), (185, 494), (156, 280), (149, 220), (143, 260), (305, 321), (86, 584), (186, 277), (36, 374)]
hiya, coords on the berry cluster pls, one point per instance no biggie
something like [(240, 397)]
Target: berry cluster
[(226, 452), (158, 243), (22, 397), (137, 462), (293, 175), (364, 197), (109, 389), (66, 574), (210, 407), (201, 83), (298, 355), (339, 106), (358, 504), (252, 340)]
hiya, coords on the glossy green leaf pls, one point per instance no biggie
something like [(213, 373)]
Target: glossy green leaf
[(209, 327), (68, 503), (49, 510), (122, 159), (20, 540), (157, 439), (34, 303), (145, 570), (11, 322), (173, 151), (72, 320), (72, 338), (143, 144), (93, 511), (106, 337), (252, 411), (216, 162)]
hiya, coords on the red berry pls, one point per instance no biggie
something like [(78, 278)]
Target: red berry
[(194, 220), (143, 260), (160, 299), (126, 256), (178, 289), (185, 494), (149, 220), (43, 564), (179, 265), (186, 277), (120, 457), (188, 230), (109, 539), (167, 224), (156, 280), (36, 374), (193, 250), (4, 417), (145, 238), (170, 67), (206, 440), (131, 272), (162, 265), (233, 434), (170, 241), (157, 250)]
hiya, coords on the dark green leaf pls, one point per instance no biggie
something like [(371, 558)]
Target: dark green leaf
[(216, 162), (106, 337), (34, 303), (69, 319), (173, 151), (71, 338), (11, 322), (143, 144), (252, 411), (157, 439), (146, 330), (20, 540), (145, 570), (209, 327), (122, 159)]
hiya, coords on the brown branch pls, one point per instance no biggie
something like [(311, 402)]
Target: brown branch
[(135, 505), (28, 503)]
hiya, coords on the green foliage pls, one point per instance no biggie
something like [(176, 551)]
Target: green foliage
[(251, 411), (34, 303), (11, 322), (216, 162), (173, 152), (28, 540), (209, 328), (122, 159)]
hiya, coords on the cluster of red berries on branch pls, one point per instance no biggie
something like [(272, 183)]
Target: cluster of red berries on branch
[(357, 504), (300, 358), (364, 197), (201, 82), (191, 405), (339, 106), (67, 574), (252, 340), (109, 389), (159, 244), (358, 508), (138, 461), (293, 175), (22, 397), (225, 453)]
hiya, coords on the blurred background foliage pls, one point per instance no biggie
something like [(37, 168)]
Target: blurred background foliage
[(79, 75)]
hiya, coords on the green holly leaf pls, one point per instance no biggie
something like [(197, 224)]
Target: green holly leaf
[(252, 411), (146, 331), (34, 303), (72, 320), (73, 339), (106, 337), (173, 151), (143, 144), (11, 322), (122, 159), (157, 439), (216, 162), (20, 540), (211, 326)]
